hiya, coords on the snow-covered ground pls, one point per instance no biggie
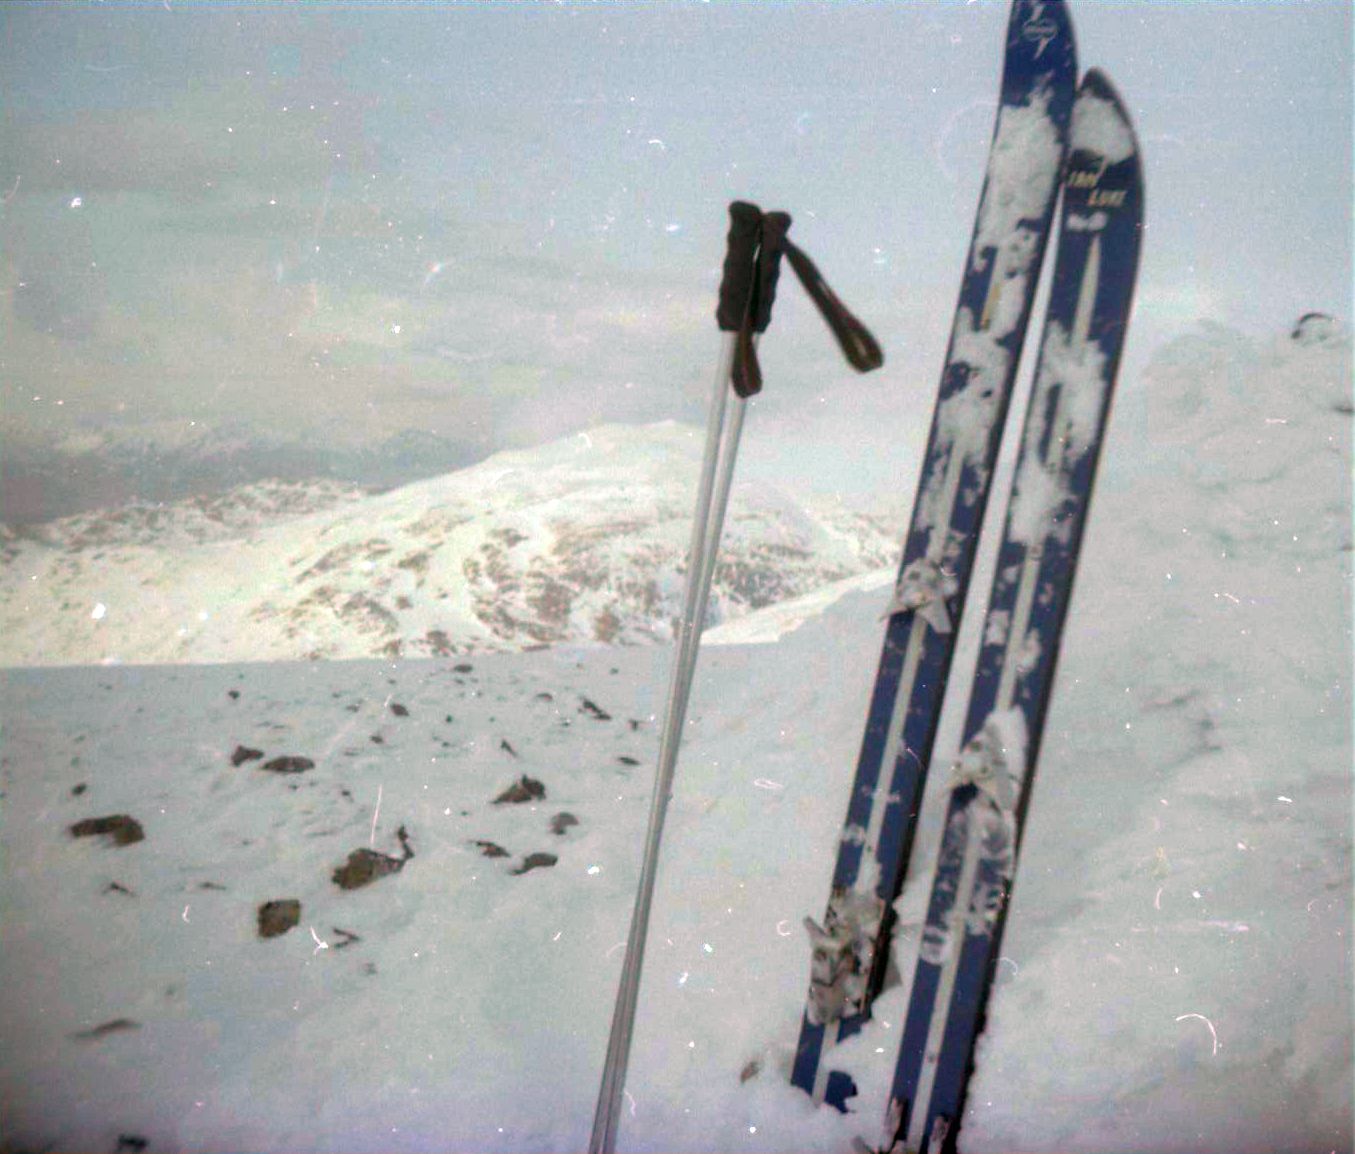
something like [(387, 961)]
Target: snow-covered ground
[(1177, 965)]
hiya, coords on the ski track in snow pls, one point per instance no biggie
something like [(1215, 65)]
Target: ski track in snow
[(1178, 965)]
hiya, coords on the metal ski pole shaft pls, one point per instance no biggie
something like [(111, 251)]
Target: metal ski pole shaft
[(607, 1116), (735, 291), (729, 450)]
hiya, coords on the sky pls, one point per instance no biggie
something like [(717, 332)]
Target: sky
[(499, 224)]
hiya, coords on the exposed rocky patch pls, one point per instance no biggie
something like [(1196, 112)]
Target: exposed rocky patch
[(278, 916), (121, 829), (365, 866), (523, 790)]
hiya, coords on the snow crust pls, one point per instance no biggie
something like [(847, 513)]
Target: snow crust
[(1099, 128), (1073, 376), (1023, 168), (1176, 972), (1021, 173)]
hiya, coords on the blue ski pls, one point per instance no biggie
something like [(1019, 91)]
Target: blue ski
[(850, 949), (1095, 265)]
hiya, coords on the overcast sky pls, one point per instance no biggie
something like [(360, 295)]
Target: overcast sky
[(504, 223)]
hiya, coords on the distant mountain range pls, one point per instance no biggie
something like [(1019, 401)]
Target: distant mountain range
[(579, 541), (40, 483)]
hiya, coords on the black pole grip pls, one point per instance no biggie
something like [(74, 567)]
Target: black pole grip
[(736, 284), (771, 244)]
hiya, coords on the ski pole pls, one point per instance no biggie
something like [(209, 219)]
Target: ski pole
[(735, 294), (756, 244)]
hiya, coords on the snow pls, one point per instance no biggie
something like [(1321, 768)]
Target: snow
[(1077, 370), (1176, 971), (1021, 174), (575, 541), (1023, 166), (1099, 127)]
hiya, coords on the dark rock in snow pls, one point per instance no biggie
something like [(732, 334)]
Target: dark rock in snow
[(626, 759), (122, 829), (365, 866), (277, 917), (490, 849), (243, 754), (289, 764), (133, 1142), (536, 861), (77, 790), (399, 710), (561, 822), (507, 748), (464, 667), (594, 710), (524, 789)]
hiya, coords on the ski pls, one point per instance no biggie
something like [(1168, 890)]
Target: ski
[(1095, 264), (1012, 224)]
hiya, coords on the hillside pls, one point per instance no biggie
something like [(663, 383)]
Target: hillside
[(579, 541)]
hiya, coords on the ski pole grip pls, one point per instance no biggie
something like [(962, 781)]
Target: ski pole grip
[(775, 225), (736, 284)]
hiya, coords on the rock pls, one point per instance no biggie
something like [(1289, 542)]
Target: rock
[(562, 821), (289, 764), (524, 789), (122, 829), (536, 861), (399, 710), (490, 849), (243, 754), (277, 917), (365, 866)]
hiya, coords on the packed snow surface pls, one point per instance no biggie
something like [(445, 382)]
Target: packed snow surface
[(1176, 972)]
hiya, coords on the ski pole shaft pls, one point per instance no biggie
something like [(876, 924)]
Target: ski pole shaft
[(607, 1115), (729, 450)]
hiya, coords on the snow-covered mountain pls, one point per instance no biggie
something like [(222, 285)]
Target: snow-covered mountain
[(1176, 971), (582, 540)]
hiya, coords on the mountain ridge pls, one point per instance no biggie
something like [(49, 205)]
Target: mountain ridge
[(580, 540)]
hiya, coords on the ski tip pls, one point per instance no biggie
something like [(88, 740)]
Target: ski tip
[(1040, 36), (1096, 83)]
